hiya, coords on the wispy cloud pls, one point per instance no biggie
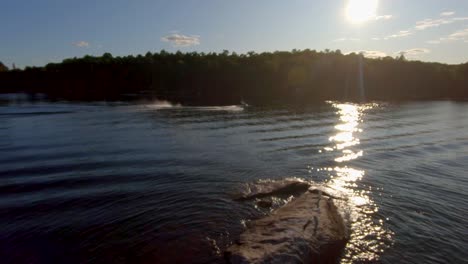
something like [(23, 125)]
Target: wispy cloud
[(384, 17), (414, 52), (460, 18), (459, 35), (346, 39), (429, 23), (409, 53), (433, 42), (180, 40), (81, 44), (444, 19), (373, 54), (447, 13), (400, 34)]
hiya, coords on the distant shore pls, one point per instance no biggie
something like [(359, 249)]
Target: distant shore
[(229, 78)]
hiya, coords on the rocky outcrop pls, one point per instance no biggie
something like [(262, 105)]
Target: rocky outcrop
[(309, 229), (264, 189)]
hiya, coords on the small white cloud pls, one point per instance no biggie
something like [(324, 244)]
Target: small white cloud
[(81, 44), (447, 13), (459, 35), (400, 34), (372, 54), (346, 39), (339, 40), (375, 38), (445, 19), (384, 17), (180, 40), (434, 42), (414, 52), (429, 23), (460, 18)]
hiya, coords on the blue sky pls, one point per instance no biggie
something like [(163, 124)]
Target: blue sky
[(39, 32)]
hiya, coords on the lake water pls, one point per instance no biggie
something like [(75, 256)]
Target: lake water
[(154, 182)]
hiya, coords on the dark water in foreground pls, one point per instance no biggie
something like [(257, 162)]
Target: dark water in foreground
[(153, 183)]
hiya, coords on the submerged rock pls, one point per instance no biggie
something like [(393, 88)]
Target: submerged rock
[(309, 229), (274, 188)]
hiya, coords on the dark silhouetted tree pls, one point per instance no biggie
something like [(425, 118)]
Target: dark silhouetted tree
[(3, 68), (300, 76)]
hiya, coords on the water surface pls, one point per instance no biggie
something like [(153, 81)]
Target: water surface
[(154, 182)]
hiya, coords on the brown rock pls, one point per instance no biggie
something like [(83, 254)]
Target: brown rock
[(274, 188), (309, 229)]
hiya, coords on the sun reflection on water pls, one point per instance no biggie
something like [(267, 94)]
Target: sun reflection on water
[(368, 237)]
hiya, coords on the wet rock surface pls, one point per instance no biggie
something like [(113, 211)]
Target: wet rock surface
[(309, 229), (265, 189), (264, 203)]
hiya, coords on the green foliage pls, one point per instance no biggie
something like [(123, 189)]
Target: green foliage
[(300, 76)]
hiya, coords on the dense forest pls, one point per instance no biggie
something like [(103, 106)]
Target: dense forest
[(230, 78)]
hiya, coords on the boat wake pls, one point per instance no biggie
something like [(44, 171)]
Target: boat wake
[(166, 105), (162, 104), (228, 108)]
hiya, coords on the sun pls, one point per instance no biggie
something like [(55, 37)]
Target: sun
[(359, 11)]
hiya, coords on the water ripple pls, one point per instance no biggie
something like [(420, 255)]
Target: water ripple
[(138, 183)]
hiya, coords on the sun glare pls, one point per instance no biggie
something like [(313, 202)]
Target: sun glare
[(359, 11)]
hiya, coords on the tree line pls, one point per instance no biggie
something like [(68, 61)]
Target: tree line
[(299, 76)]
